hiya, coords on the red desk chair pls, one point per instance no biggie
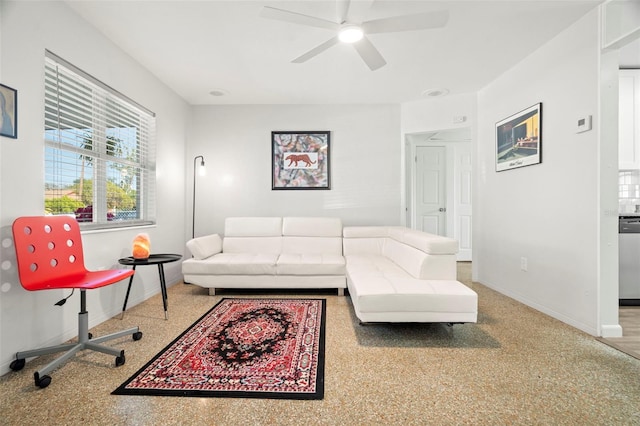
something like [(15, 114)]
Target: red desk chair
[(49, 254)]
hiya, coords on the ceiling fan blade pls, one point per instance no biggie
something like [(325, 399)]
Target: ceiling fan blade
[(369, 54), (359, 10), (343, 10), (421, 21), (297, 18), (316, 50)]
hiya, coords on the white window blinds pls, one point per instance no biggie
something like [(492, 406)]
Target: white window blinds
[(99, 151)]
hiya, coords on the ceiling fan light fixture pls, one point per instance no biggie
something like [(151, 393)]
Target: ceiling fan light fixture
[(346, 32), (350, 34)]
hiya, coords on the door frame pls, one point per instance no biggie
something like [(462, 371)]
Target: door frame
[(449, 139)]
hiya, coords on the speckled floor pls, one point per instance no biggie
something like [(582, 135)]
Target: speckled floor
[(515, 366)]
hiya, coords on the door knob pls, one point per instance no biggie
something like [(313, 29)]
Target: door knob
[(442, 209)]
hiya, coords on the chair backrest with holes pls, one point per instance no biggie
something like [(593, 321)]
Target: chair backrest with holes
[(48, 251)]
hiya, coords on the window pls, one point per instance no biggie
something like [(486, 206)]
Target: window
[(99, 151)]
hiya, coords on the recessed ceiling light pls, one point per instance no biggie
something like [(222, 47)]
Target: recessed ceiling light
[(350, 34), (434, 93), (218, 92)]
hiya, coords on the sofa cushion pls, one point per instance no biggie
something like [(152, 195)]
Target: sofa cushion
[(368, 265), (253, 227), (363, 246), (312, 227), (444, 296), (310, 264), (203, 247), (425, 242), (409, 258), (233, 264), (379, 285), (269, 245), (312, 245), (365, 231)]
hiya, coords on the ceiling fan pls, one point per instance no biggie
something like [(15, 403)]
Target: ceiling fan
[(347, 31)]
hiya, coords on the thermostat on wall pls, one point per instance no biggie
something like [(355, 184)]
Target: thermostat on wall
[(583, 124)]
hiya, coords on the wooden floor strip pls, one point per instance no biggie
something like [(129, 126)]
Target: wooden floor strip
[(629, 343)]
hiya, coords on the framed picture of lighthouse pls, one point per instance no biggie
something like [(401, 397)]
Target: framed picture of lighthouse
[(519, 139), (300, 160)]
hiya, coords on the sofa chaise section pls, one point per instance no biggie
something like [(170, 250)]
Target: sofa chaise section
[(395, 274)]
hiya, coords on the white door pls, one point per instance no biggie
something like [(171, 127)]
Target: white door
[(462, 200), (431, 193)]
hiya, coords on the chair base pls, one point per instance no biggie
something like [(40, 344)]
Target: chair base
[(84, 342)]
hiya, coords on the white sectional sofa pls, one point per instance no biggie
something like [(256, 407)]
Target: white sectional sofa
[(269, 252), (394, 274)]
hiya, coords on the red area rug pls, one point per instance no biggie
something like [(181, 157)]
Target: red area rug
[(242, 348)]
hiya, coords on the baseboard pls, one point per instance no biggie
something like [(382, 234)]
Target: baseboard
[(610, 331)]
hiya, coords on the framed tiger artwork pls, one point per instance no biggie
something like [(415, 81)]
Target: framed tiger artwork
[(300, 160)]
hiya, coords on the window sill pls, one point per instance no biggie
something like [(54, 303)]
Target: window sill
[(101, 227)]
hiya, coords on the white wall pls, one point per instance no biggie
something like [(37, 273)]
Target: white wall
[(552, 213), (438, 113), (236, 144), (29, 319)]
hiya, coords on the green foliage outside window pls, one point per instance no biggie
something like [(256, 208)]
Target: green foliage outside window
[(117, 198), (62, 205)]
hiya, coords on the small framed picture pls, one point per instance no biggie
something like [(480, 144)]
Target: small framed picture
[(300, 160), (519, 139), (9, 110)]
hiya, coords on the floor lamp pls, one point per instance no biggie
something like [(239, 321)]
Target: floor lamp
[(201, 172)]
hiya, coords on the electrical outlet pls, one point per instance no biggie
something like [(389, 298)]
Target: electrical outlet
[(524, 264)]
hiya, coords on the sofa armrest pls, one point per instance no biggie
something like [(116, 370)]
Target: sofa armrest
[(203, 247)]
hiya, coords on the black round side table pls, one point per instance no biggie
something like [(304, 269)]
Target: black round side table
[(154, 259)]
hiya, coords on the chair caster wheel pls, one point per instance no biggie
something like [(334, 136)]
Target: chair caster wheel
[(120, 360), (42, 382), (17, 364), (137, 335)]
